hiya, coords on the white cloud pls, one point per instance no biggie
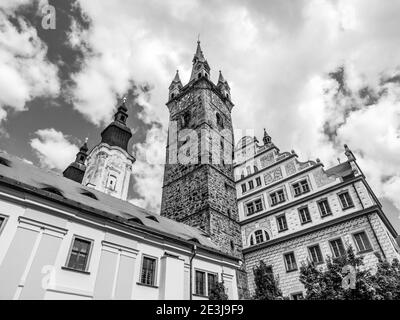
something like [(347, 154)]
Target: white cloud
[(53, 149), (25, 71), (275, 55)]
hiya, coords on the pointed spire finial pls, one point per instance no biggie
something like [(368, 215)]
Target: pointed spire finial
[(266, 138), (177, 78), (221, 78)]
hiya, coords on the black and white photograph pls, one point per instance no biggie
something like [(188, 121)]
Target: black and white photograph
[(204, 153)]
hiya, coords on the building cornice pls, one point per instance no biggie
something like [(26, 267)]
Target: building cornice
[(85, 209)]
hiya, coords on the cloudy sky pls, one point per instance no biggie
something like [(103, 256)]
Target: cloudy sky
[(315, 73)]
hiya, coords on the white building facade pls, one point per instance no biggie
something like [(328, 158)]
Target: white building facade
[(293, 212)]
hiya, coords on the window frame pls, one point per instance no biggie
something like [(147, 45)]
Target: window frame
[(350, 205), (300, 216), (369, 249), (254, 206), (244, 187), (322, 261), (251, 184), (91, 241), (277, 222), (155, 270), (206, 284), (258, 182), (319, 208), (333, 251), (301, 186), (285, 261), (277, 197)]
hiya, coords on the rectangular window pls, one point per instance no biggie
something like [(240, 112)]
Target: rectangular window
[(79, 254), (362, 241), (200, 283), (211, 282), (301, 187), (324, 208), (337, 248), (316, 254), (304, 214), (244, 188), (290, 262), (254, 207), (277, 197), (282, 224), (148, 275), (346, 200), (251, 184), (258, 181)]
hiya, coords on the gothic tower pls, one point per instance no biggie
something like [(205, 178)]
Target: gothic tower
[(109, 164), (199, 188)]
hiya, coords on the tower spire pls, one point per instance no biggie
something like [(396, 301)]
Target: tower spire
[(175, 86), (266, 138), (200, 65)]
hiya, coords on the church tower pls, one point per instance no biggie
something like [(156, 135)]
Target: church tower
[(199, 188), (109, 164)]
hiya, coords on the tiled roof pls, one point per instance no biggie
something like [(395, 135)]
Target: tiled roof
[(34, 179)]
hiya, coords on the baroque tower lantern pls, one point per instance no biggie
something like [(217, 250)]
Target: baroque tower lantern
[(109, 164)]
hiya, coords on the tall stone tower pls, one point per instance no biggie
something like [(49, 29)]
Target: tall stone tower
[(199, 188), (109, 164)]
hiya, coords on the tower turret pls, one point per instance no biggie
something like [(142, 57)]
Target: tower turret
[(76, 170), (175, 86), (109, 164), (223, 86)]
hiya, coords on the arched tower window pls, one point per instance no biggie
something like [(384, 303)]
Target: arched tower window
[(259, 236), (185, 119), (111, 182), (220, 122)]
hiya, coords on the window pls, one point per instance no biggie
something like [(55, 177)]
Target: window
[(282, 224), (346, 200), (254, 206), (255, 169), (290, 262), (304, 214), (251, 184), (259, 236), (258, 181), (111, 182), (185, 119), (315, 254), (220, 122), (337, 248), (148, 274), (277, 197), (248, 169), (362, 241), (300, 187), (297, 296), (79, 254), (201, 287), (244, 188), (324, 208), (211, 282)]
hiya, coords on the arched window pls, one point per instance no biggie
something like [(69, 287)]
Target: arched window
[(185, 119), (255, 169), (172, 95), (259, 236), (111, 182)]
